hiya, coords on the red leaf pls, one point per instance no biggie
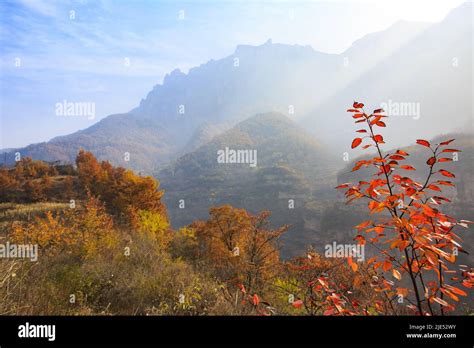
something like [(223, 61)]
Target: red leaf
[(403, 153), (434, 187), (407, 167), (255, 300), (431, 161), (450, 294), (297, 303), (375, 120), (358, 105), (347, 184), (402, 291), (381, 124), (446, 142), (379, 229), (358, 166), (378, 138), (356, 142), (363, 225), (329, 312), (457, 291), (445, 183), (446, 173), (352, 264), (387, 265), (429, 211), (467, 283), (451, 150), (438, 199), (373, 205), (423, 142)]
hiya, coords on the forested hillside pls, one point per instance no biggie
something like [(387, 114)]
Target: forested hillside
[(293, 178)]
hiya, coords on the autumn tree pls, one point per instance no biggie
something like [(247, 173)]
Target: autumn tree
[(28, 181), (9, 185), (84, 231), (68, 190), (27, 168), (34, 190), (239, 248), (123, 192), (414, 238), (154, 226), (88, 168)]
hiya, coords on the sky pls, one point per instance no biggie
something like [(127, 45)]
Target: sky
[(111, 53)]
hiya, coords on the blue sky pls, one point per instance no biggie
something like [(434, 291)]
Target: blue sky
[(81, 56)]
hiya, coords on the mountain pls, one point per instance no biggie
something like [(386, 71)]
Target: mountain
[(146, 142), (381, 45), (406, 62), (213, 96), (290, 165), (425, 85)]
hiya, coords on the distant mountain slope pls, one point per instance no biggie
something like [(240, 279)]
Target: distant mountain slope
[(432, 72), (145, 143), (291, 165), (203, 134), (373, 48)]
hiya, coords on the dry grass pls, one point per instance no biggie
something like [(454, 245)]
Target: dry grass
[(19, 211)]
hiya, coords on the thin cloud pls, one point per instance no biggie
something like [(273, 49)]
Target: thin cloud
[(45, 8)]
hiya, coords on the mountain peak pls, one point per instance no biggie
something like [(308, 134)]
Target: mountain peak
[(174, 75), (273, 48), (270, 117)]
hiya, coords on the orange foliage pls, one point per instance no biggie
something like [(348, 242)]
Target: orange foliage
[(83, 231), (239, 247), (120, 189)]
